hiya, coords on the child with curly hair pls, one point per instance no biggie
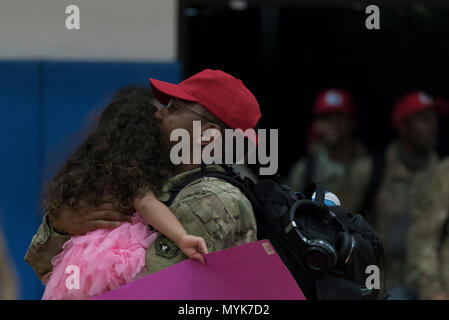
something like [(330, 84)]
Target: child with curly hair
[(121, 159)]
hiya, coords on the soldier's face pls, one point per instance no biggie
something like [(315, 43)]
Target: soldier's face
[(334, 128), (181, 114), (421, 130), (176, 116)]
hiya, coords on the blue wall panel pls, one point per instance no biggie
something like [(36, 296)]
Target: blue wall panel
[(19, 165), (45, 108), (73, 90)]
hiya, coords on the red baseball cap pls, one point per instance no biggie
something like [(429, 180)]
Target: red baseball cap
[(221, 94), (333, 100), (411, 104)]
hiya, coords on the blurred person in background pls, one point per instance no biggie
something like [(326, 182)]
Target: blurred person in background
[(428, 241), (410, 155), (442, 109), (337, 158), (8, 282), (313, 139)]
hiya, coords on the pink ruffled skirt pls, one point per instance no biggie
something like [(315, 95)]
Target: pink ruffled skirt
[(99, 261)]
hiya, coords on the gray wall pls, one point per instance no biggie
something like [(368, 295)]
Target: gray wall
[(109, 30)]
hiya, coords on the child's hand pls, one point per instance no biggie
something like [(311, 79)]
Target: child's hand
[(193, 247)]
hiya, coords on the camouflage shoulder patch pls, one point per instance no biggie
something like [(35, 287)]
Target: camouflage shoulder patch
[(165, 247)]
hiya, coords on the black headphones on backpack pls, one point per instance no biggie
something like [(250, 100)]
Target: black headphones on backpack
[(319, 255)]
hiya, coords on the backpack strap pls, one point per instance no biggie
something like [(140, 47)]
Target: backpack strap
[(177, 188), (341, 216), (319, 190), (231, 176), (235, 179)]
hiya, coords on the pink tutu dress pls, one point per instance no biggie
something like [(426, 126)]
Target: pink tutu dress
[(106, 259)]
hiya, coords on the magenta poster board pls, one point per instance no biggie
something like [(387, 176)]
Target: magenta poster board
[(251, 271)]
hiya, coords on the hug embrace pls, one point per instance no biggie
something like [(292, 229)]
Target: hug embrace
[(105, 211)]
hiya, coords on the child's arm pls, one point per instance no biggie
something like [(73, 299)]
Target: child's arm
[(162, 219)]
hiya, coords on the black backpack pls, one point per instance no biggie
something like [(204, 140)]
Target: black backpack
[(326, 249)]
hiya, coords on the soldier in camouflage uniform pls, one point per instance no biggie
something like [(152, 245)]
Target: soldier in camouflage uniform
[(406, 159), (209, 207), (340, 161), (428, 242)]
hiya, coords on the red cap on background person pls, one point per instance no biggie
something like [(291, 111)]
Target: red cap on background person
[(221, 94), (334, 100), (411, 104)]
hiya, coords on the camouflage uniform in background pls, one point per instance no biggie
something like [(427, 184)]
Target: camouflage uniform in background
[(8, 275), (428, 251), (392, 208), (347, 180), (210, 208)]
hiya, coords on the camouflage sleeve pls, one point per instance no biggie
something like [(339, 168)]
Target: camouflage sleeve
[(295, 179), (212, 209), (429, 212), (45, 244)]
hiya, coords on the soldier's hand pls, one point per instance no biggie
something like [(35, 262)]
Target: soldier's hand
[(193, 247), (87, 218)]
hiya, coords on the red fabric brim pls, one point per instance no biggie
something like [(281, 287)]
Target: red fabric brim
[(164, 91)]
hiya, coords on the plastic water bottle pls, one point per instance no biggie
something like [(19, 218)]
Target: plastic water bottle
[(330, 199)]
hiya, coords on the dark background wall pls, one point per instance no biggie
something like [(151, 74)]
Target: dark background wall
[(287, 53)]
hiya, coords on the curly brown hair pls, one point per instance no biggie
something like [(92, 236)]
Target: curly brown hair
[(123, 157)]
